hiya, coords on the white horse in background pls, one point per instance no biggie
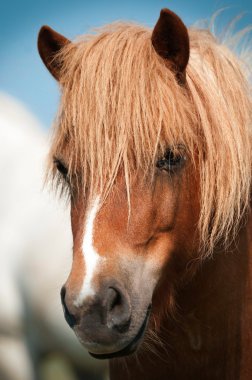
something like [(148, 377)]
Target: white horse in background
[(35, 254)]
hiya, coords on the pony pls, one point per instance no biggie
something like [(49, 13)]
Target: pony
[(152, 144), (35, 231)]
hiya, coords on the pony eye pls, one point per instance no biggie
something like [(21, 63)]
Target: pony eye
[(170, 161), (61, 167)]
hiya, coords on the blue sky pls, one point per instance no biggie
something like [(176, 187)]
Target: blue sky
[(22, 73)]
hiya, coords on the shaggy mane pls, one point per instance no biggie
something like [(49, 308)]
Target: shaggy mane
[(121, 106)]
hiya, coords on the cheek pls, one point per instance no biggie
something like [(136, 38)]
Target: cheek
[(175, 225), (165, 202), (160, 248)]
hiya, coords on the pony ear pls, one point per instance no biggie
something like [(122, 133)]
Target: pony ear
[(49, 44), (171, 41)]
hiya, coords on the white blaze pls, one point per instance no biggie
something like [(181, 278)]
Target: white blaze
[(90, 256)]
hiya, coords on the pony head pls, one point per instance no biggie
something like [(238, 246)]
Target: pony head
[(154, 150)]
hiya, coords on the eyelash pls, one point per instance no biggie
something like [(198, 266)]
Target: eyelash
[(171, 161)]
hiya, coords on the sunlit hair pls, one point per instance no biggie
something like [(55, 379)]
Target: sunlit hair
[(122, 106)]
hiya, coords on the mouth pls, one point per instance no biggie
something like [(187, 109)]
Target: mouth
[(131, 347)]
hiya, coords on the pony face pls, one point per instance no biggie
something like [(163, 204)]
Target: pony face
[(146, 144), (123, 255)]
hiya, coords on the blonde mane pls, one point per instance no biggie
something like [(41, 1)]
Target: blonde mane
[(122, 106)]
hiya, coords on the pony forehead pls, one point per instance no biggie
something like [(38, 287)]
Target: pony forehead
[(119, 70), (119, 93)]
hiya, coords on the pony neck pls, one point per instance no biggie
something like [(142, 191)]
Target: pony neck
[(210, 337), (214, 314)]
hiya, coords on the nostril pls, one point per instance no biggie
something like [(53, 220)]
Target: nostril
[(71, 320), (118, 310), (113, 299)]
